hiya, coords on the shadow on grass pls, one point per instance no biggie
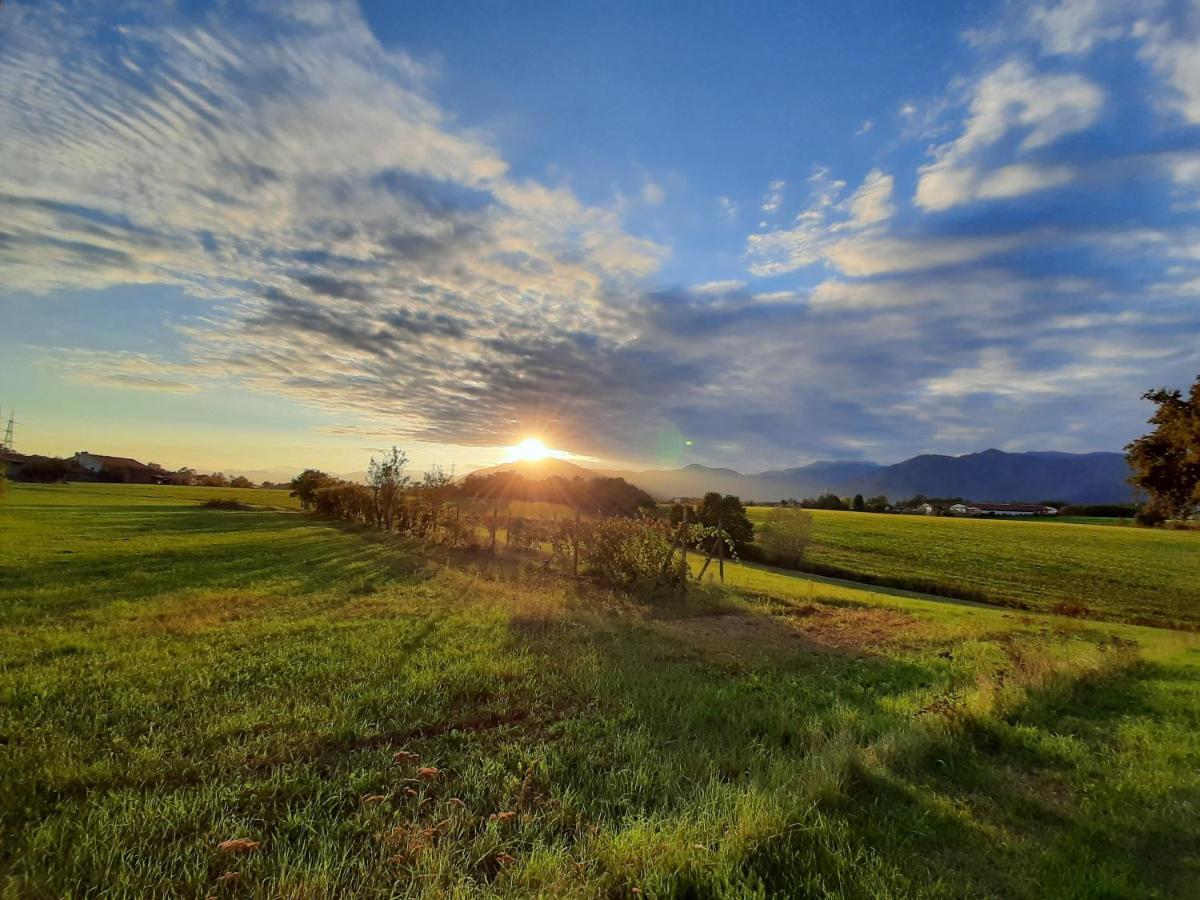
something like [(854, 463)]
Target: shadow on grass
[(1037, 803), (249, 550)]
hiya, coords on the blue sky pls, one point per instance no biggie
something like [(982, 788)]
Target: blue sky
[(257, 235)]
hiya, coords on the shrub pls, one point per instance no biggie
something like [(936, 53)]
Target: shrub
[(785, 535), (225, 503), (351, 502), (1150, 516)]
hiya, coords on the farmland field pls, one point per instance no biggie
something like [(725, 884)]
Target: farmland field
[(173, 677), (1126, 574)]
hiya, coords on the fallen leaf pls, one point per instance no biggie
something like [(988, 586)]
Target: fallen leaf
[(371, 799), (238, 845), (457, 803), (228, 878), (504, 859), (502, 817), (403, 757), (429, 773)]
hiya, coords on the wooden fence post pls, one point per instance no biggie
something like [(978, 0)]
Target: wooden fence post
[(495, 521), (721, 549)]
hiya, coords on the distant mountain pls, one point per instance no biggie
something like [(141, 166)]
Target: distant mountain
[(543, 468), (1004, 477), (992, 475)]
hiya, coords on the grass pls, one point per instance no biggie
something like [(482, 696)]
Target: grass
[(1141, 575), (174, 677)]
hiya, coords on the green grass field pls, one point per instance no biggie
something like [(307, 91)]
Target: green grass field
[(1129, 574), (173, 677)]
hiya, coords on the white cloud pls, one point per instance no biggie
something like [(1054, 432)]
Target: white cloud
[(872, 202), (831, 229), (773, 198), (1176, 57), (866, 126), (718, 287), (1021, 178), (727, 208), (1075, 27), (862, 257), (1011, 99), (653, 194)]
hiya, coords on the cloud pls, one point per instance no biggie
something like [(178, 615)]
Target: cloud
[(653, 194), (1174, 52), (872, 202), (840, 231), (727, 208), (1075, 27), (126, 371), (1012, 99), (361, 251), (773, 198)]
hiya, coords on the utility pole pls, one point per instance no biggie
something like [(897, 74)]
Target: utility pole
[(7, 444)]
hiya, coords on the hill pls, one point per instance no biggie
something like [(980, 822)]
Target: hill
[(990, 475)]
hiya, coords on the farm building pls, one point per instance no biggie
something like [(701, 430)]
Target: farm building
[(117, 468), (1002, 509)]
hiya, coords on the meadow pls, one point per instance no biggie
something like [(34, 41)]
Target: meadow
[(367, 718), (1129, 574)]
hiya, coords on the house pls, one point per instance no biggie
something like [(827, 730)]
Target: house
[(117, 468), (927, 509), (1002, 509)]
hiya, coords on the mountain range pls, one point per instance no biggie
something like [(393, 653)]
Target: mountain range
[(992, 475)]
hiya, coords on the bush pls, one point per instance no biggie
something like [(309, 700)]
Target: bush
[(1150, 517), (351, 502), (225, 503), (785, 536), (623, 552)]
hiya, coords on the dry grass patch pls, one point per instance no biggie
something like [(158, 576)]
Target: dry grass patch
[(193, 613), (731, 632)]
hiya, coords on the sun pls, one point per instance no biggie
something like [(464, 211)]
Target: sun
[(529, 450)]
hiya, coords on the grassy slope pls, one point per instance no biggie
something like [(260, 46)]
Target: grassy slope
[(1128, 574), (173, 677)]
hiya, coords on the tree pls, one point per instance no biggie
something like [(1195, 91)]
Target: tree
[(387, 479), (1166, 462), (858, 504), (730, 514), (825, 501), (306, 484), (241, 481), (878, 504), (786, 534)]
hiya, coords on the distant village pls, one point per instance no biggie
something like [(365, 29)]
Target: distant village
[(97, 467)]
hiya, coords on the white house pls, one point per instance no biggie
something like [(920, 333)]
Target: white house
[(1002, 509)]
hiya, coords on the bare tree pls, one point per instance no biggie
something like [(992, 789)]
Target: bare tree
[(388, 480), (786, 534)]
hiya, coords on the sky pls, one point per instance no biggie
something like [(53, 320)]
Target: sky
[(264, 236)]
